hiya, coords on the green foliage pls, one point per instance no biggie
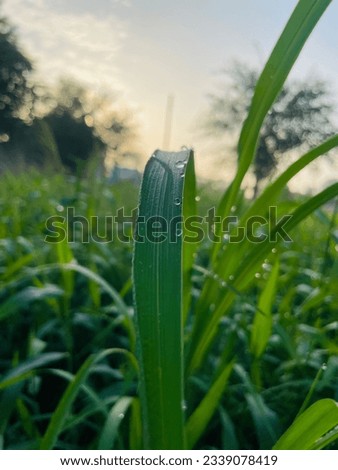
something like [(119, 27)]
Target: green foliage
[(158, 278), (235, 345), (15, 92)]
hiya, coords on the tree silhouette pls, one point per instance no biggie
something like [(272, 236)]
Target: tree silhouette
[(300, 117), (16, 96), (85, 124)]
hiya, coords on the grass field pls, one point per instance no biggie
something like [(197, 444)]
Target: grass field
[(223, 342), (53, 319)]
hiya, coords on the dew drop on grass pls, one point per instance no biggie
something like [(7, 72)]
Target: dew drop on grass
[(177, 201), (223, 284), (180, 164), (121, 415), (197, 198), (231, 277), (233, 209), (179, 232), (60, 208), (274, 250), (258, 275), (324, 366)]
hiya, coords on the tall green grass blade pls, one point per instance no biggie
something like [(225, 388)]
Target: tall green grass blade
[(262, 325), (287, 49), (310, 427), (157, 275), (312, 390), (110, 429), (206, 328), (227, 259), (189, 209), (60, 415), (199, 420)]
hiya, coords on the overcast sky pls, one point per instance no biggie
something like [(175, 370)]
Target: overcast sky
[(147, 49)]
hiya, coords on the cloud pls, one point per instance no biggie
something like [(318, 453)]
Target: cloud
[(63, 42)]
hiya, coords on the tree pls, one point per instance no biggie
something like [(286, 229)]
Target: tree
[(15, 93), (300, 118), (85, 124)]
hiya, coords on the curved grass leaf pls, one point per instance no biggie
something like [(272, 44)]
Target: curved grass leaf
[(310, 427), (206, 328), (202, 415), (227, 259), (262, 324), (158, 288), (60, 415), (110, 429), (286, 51), (29, 367)]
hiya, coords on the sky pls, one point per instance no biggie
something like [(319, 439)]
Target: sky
[(145, 50)]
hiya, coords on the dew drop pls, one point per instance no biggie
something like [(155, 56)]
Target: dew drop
[(233, 209), (180, 164), (182, 174), (121, 415), (223, 284), (324, 366), (231, 277), (179, 232), (258, 275), (197, 198), (60, 208), (216, 277), (274, 250), (177, 201), (184, 405)]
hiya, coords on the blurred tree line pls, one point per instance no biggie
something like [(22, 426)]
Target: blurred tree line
[(71, 125), (66, 127), (301, 117)]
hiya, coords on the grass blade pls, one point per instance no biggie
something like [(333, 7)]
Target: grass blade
[(206, 328), (157, 275), (29, 367), (310, 427), (60, 415), (202, 415), (286, 51), (262, 325), (110, 429)]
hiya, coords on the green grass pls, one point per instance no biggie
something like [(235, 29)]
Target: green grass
[(208, 345)]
